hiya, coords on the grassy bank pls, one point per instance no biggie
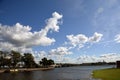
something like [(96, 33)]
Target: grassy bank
[(107, 74)]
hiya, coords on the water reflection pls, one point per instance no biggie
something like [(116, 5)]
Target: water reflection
[(67, 73)]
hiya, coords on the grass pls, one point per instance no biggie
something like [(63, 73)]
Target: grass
[(107, 74)]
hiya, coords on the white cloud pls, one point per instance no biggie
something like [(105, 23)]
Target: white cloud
[(87, 59), (57, 56), (68, 60), (80, 40), (63, 59), (18, 36), (117, 38), (60, 51), (39, 55), (6, 45), (109, 57), (77, 40), (96, 37), (52, 22)]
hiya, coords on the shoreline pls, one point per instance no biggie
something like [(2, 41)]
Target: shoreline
[(25, 69)]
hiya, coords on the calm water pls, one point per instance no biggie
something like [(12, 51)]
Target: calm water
[(67, 73)]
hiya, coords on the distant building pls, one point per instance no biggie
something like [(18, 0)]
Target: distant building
[(118, 64)]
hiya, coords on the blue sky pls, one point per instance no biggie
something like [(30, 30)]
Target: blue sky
[(69, 31)]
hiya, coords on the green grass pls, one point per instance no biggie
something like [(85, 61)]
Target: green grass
[(107, 74)]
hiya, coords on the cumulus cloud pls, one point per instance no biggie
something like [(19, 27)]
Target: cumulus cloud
[(57, 56), (117, 38), (18, 35), (96, 37), (5, 45), (80, 39), (77, 40), (39, 55), (60, 51), (67, 60), (61, 58), (87, 59), (109, 57)]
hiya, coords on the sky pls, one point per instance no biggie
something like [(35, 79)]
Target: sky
[(67, 31)]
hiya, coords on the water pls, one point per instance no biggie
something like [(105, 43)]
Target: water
[(66, 73)]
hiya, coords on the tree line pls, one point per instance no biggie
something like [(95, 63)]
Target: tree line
[(14, 59)]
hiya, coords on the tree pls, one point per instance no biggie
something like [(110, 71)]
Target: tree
[(45, 63), (28, 59), (50, 62), (1, 58), (15, 57), (6, 62), (4, 59)]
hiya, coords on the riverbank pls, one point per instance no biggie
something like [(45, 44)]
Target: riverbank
[(34, 69), (63, 73), (25, 69), (107, 74)]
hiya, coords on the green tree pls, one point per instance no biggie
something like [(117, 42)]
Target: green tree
[(28, 59), (15, 58), (4, 60), (50, 62), (45, 63), (1, 58)]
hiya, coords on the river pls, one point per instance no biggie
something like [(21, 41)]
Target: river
[(65, 73)]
